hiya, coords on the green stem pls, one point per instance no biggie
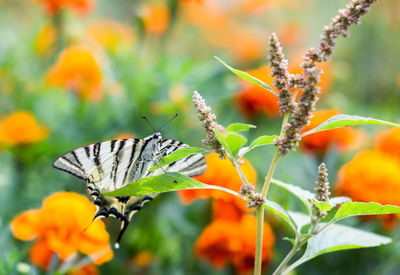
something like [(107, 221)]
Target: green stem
[(241, 174), (260, 209), (260, 228), (288, 257)]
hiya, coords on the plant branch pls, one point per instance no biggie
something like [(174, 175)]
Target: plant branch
[(288, 257)]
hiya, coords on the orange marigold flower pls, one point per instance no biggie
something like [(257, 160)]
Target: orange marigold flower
[(53, 7), (344, 138), (110, 34), (155, 17), (88, 269), (233, 241), (222, 173), (45, 39), (253, 99), (228, 210), (78, 69), (63, 226), (388, 141), (371, 175), (20, 128)]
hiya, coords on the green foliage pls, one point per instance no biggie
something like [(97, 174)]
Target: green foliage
[(349, 209), (260, 141), (348, 120), (329, 237), (239, 127), (303, 195), (248, 77), (178, 154), (340, 237), (166, 182), (231, 141)]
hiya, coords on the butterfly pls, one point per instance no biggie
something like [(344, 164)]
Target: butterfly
[(110, 165)]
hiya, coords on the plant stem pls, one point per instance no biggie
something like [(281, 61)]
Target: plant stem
[(241, 174), (260, 228), (275, 158), (288, 257), (260, 209)]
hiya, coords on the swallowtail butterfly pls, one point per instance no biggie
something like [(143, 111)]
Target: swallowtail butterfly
[(109, 165)]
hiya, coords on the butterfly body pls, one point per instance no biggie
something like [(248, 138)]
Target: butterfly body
[(110, 165)]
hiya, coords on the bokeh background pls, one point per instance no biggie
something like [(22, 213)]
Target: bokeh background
[(75, 72)]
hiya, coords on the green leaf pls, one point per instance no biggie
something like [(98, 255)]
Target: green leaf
[(279, 211), (338, 200), (165, 183), (178, 154), (300, 219), (347, 120), (322, 206), (231, 141), (248, 77), (303, 195), (239, 127), (260, 141), (293, 241), (339, 237), (349, 209)]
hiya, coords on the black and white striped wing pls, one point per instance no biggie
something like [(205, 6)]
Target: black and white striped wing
[(101, 161), (110, 165)]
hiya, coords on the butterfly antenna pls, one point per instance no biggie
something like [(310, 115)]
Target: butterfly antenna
[(148, 122), (168, 122)]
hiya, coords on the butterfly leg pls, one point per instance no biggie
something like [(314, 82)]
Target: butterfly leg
[(132, 205)]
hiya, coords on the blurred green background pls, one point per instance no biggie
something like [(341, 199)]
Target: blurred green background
[(152, 73)]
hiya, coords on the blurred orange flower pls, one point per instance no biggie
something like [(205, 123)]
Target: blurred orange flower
[(344, 138), (227, 210), (221, 173), (124, 136), (231, 41), (110, 34), (78, 69), (85, 270), (143, 258), (63, 226), (253, 99), (371, 175), (388, 141), (53, 7), (45, 39), (225, 241), (20, 128), (155, 17)]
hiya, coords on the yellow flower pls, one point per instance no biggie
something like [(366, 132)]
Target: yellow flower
[(63, 226), (20, 128)]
